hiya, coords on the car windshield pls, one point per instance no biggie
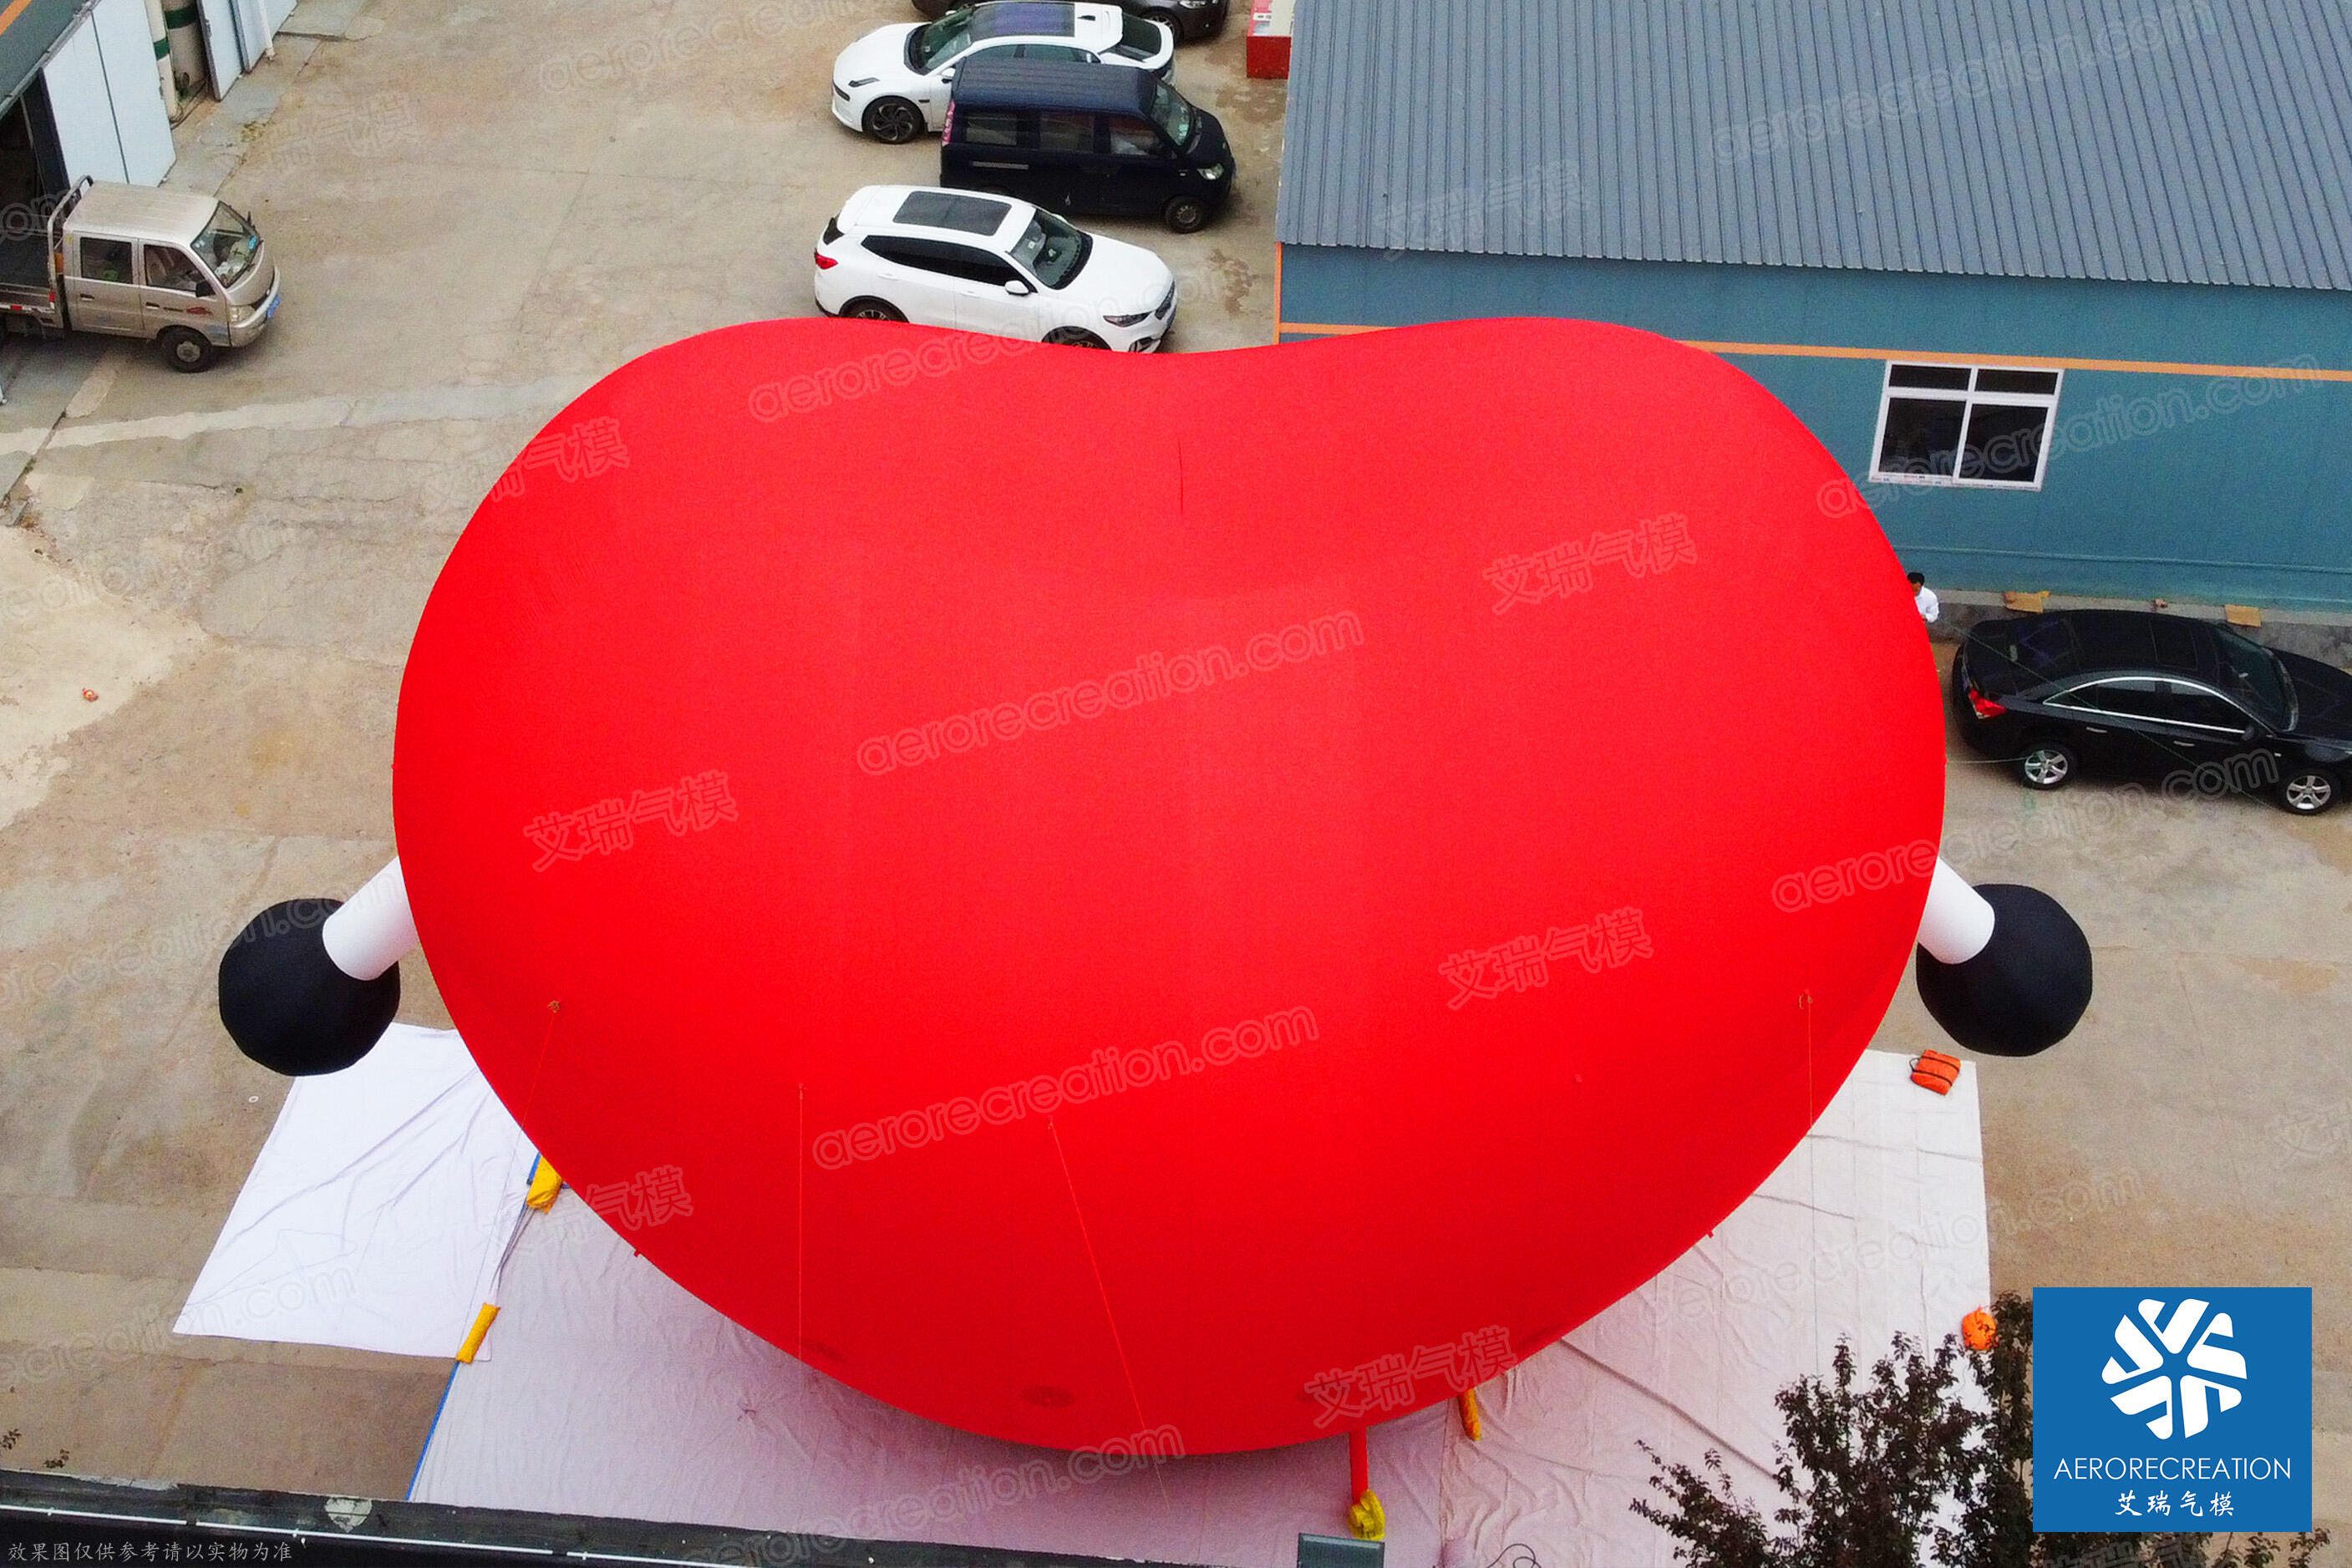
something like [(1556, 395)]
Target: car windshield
[(1176, 117), (1138, 39), (2252, 673), (1051, 249), (228, 245), (940, 42)]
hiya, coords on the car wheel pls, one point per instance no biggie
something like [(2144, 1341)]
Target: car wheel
[(185, 348), (872, 310), (1185, 214), (1075, 337), (2307, 790), (892, 120), (1168, 20), (2047, 765)]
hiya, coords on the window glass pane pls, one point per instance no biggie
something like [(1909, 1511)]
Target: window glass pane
[(2045, 647), (1132, 138), (990, 128), (2177, 642), (1923, 437), (1066, 133), (174, 269), (2192, 707), (1951, 378), (228, 242), (978, 266), (2140, 699), (106, 260), (2044, 381), (2253, 674), (947, 210), (912, 252), (1064, 52), (1138, 39), (2004, 442)]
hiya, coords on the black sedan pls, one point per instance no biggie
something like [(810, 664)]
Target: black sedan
[(2128, 693), (1184, 18)]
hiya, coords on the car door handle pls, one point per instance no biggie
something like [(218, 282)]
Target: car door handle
[(2093, 729), (983, 163)]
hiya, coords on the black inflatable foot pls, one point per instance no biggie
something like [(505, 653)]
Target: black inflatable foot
[(2026, 991), (286, 1004)]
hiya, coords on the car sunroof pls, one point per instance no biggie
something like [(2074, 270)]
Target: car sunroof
[(1023, 19), (946, 210)]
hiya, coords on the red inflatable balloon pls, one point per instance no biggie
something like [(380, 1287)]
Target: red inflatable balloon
[(1085, 894)]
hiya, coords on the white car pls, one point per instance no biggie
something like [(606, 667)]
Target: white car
[(893, 83), (989, 264)]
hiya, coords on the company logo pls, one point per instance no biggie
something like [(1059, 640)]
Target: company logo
[(2207, 1363), (2173, 1404)]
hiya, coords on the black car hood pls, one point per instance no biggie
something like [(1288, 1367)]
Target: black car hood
[(1209, 144), (2323, 696)]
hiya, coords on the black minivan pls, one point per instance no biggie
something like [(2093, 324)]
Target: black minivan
[(1078, 138)]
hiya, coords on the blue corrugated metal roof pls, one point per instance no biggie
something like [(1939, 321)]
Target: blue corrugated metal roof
[(2166, 140)]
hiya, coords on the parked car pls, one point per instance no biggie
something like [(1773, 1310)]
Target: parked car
[(893, 83), (1185, 18), (988, 264), (1083, 139), (183, 271), (2125, 693)]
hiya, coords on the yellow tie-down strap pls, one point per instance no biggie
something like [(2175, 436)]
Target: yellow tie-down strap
[(474, 1337)]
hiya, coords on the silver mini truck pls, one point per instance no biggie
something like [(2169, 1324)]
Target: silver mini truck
[(182, 270)]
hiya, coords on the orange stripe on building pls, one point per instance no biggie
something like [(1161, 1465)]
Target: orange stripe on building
[(1936, 357)]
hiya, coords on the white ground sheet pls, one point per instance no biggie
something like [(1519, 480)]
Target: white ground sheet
[(378, 1211), (610, 1391), (1875, 1224)]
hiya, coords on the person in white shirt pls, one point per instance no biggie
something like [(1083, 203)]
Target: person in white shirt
[(1924, 597)]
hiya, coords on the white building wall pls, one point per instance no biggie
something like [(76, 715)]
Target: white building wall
[(237, 34), (83, 107), (220, 43), (108, 100), (127, 48)]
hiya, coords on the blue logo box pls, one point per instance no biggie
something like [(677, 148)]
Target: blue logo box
[(2176, 1409)]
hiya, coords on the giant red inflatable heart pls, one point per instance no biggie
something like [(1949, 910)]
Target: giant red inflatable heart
[(1085, 894)]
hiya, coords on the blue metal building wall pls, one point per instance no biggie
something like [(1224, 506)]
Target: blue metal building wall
[(2191, 486)]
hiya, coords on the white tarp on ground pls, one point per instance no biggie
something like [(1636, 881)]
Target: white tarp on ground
[(1874, 1225), (613, 1392), (378, 1211)]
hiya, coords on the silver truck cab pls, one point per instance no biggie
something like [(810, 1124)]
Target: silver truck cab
[(183, 271)]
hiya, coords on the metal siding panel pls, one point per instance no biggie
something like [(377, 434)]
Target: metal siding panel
[(2289, 240), (2238, 150), (1583, 128), (2088, 139), (2199, 126), (2152, 160), (2330, 144)]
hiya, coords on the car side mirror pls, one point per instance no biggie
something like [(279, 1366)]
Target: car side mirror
[(948, 75), (1018, 290)]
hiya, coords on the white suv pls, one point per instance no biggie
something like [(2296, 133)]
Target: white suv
[(893, 83), (989, 264)]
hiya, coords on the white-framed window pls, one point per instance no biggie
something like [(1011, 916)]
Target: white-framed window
[(1964, 425)]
